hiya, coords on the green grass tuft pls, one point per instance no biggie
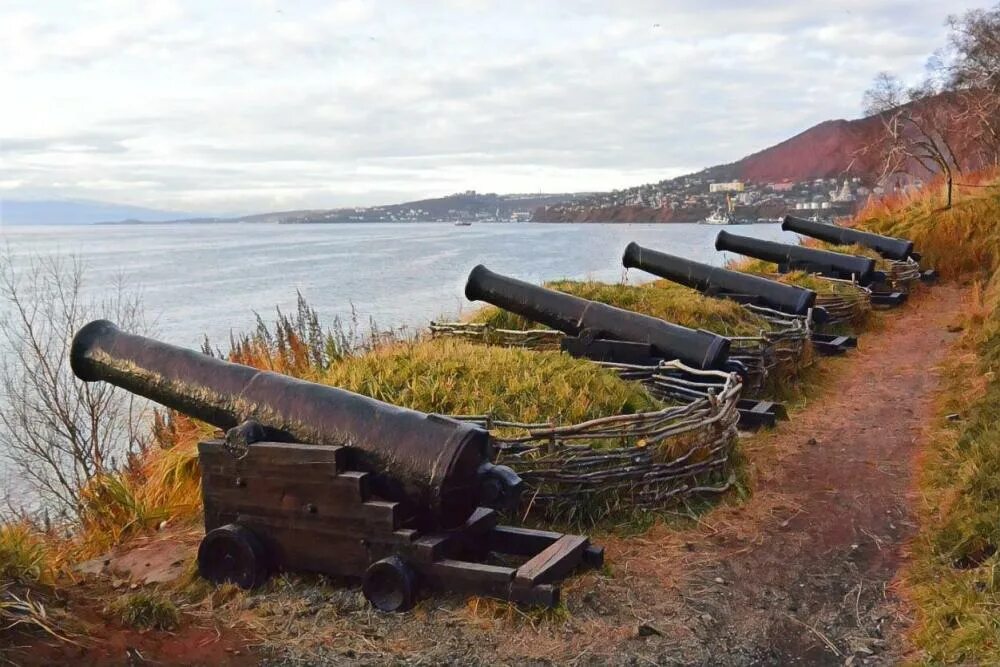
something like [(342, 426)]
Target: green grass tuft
[(146, 610)]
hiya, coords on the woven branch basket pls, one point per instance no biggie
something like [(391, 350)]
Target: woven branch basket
[(612, 466), (903, 276), (783, 345)]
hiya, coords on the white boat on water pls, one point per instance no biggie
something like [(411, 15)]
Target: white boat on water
[(724, 216), (463, 223), (718, 217)]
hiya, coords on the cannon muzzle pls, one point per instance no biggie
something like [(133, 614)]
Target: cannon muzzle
[(574, 315), (799, 258), (437, 468), (718, 281), (887, 246)]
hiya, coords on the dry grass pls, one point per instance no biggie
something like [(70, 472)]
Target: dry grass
[(28, 565), (26, 555), (960, 242), (798, 278), (454, 377), (952, 578)]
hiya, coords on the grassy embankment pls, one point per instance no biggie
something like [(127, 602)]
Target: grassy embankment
[(952, 580)]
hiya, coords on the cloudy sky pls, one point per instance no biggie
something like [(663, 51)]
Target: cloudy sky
[(252, 105)]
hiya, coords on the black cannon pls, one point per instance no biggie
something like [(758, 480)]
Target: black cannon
[(799, 258), (887, 246), (601, 331), (716, 281), (331, 481)]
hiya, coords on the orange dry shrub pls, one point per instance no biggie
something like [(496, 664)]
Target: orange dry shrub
[(161, 486), (289, 356)]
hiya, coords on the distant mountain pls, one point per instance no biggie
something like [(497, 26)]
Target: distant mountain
[(77, 212)]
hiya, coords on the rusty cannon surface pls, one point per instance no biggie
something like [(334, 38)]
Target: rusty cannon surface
[(600, 331), (315, 478), (790, 257), (717, 281), (887, 246)]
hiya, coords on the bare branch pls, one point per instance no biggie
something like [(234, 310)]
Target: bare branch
[(56, 432)]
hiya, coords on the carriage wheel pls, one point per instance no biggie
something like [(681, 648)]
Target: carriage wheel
[(232, 554), (390, 584)]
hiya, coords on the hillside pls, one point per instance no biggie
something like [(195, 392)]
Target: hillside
[(829, 150)]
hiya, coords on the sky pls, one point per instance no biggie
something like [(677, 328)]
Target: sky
[(259, 105)]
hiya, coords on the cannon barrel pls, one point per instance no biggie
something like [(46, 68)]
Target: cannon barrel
[(793, 257), (887, 246), (437, 468), (574, 315), (707, 278)]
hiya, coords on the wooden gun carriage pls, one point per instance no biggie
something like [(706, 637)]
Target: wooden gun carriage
[(318, 479)]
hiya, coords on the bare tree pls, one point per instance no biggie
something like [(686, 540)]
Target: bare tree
[(971, 67), (56, 432), (919, 128), (973, 60)]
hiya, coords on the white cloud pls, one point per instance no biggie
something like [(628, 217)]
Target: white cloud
[(243, 106)]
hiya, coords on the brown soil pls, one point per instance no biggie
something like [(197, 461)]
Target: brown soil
[(803, 572), (98, 639)]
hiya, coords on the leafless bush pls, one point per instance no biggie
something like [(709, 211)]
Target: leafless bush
[(57, 432)]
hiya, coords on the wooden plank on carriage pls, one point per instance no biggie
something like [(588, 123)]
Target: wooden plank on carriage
[(279, 459), (554, 562), (469, 577), (520, 541)]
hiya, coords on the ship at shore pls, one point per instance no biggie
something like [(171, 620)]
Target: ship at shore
[(725, 216), (720, 217)]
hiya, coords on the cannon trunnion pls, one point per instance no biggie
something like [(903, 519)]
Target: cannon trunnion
[(717, 281), (315, 478), (799, 258)]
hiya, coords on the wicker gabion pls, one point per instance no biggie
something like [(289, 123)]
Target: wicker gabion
[(611, 466), (783, 343), (903, 276), (847, 307)]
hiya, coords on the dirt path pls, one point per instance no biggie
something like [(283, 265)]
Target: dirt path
[(812, 584), (801, 573)]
